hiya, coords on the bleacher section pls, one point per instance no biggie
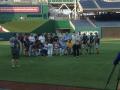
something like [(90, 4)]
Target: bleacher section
[(99, 5), (85, 27), (81, 23), (88, 4), (104, 4), (107, 23), (84, 23)]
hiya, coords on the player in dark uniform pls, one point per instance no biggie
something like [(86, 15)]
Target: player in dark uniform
[(85, 43), (97, 43), (91, 43), (76, 48), (15, 51), (20, 37), (26, 45), (55, 38)]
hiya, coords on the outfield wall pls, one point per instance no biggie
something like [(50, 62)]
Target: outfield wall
[(6, 36), (110, 32)]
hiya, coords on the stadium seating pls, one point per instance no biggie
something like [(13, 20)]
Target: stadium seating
[(84, 26), (81, 23), (104, 4), (107, 23), (87, 4), (84, 23)]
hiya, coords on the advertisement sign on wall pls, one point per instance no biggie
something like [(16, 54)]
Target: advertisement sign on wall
[(19, 9)]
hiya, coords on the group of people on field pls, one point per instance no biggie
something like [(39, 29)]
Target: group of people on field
[(50, 44)]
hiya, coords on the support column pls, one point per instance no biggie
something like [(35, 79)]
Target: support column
[(75, 10)]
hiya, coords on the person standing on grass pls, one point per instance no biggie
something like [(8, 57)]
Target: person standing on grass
[(20, 37), (15, 51), (50, 44), (97, 43), (26, 45), (32, 41), (41, 37), (85, 43), (76, 45), (62, 46), (69, 47), (56, 46), (91, 43)]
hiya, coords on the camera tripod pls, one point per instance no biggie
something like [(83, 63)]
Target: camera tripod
[(115, 62), (110, 76)]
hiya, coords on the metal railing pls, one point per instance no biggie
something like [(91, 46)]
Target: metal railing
[(61, 1)]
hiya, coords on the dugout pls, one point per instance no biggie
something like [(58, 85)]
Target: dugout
[(63, 26), (6, 36), (63, 30)]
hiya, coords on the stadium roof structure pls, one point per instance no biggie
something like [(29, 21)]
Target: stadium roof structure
[(100, 5), (88, 4), (61, 1), (82, 23), (104, 4)]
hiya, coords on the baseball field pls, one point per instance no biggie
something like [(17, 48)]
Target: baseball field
[(89, 71)]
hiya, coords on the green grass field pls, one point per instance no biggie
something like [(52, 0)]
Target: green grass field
[(86, 71)]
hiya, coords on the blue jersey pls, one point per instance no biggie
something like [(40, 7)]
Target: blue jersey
[(91, 39), (85, 39), (62, 44)]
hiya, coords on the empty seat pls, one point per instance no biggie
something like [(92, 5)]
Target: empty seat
[(87, 4), (104, 4)]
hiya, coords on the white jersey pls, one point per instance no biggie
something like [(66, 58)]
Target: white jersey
[(42, 39), (31, 39), (73, 39)]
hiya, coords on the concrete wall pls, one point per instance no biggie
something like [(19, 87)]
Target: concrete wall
[(111, 32)]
